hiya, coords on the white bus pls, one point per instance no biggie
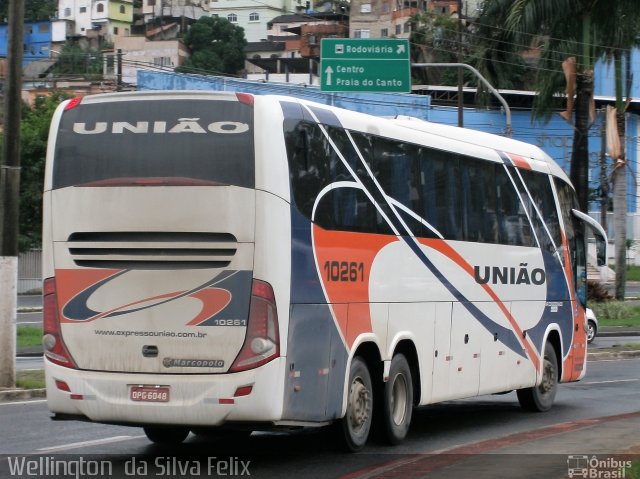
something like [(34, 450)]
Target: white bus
[(219, 261)]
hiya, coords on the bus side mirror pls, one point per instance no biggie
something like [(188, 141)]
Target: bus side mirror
[(598, 233)]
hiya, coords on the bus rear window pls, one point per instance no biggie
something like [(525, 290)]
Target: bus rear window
[(205, 141)]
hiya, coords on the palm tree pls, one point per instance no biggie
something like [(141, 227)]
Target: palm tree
[(559, 29), (619, 31), (564, 29)]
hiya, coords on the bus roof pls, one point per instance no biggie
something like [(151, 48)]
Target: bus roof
[(507, 145)]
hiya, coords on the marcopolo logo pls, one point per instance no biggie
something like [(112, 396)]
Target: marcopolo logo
[(192, 363), (597, 468), (182, 125)]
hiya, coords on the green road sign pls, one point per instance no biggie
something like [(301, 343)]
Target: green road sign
[(356, 64)]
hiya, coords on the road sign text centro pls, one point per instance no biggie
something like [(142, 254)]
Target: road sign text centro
[(376, 65)]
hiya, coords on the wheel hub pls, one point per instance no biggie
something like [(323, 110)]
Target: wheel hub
[(361, 405), (399, 400), (548, 377)]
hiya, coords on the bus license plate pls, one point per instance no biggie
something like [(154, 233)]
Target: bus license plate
[(149, 393)]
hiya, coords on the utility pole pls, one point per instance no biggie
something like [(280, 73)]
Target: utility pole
[(460, 73), (119, 69), (9, 196), (604, 172)]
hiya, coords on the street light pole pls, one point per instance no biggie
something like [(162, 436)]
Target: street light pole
[(460, 73), (9, 196)]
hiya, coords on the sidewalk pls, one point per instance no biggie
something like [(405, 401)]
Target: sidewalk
[(615, 331)]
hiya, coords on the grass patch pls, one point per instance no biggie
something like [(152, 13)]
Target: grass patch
[(634, 472), (29, 335), (633, 273), (30, 379), (616, 313), (33, 292), (619, 347)]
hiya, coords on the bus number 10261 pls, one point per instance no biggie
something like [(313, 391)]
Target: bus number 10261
[(344, 271)]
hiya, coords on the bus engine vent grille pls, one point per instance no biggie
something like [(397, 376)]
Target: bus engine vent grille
[(152, 250)]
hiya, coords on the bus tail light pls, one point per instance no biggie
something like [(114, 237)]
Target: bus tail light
[(246, 98), (54, 348), (262, 340), (74, 102)]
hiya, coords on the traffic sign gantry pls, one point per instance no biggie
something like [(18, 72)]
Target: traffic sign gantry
[(376, 65)]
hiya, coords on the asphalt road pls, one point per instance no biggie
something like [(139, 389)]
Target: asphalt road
[(609, 388), (34, 318)]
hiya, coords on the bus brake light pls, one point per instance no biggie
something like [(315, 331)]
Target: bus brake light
[(54, 348), (262, 340), (74, 102), (246, 98)]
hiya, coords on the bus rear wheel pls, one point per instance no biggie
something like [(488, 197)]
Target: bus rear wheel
[(540, 398), (354, 427), (397, 401), (166, 435)]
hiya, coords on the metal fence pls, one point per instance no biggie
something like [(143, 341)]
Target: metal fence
[(30, 271)]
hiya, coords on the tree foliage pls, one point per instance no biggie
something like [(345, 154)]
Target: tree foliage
[(34, 130), (217, 46), (435, 39), (33, 9), (74, 60)]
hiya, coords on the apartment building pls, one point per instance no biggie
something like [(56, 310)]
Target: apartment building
[(97, 18), (391, 18), (180, 14), (254, 16)]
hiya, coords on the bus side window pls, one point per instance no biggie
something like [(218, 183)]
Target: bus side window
[(510, 213), (574, 233), (349, 209), (539, 186), (313, 164), (479, 201)]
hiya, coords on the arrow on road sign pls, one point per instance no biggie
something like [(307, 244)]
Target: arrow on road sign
[(328, 73), (400, 49)]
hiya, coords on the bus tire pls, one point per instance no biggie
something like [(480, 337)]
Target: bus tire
[(540, 398), (166, 435), (355, 426), (397, 406)]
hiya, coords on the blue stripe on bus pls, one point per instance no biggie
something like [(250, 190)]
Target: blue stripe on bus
[(557, 292), (76, 308), (505, 158), (221, 277), (505, 335)]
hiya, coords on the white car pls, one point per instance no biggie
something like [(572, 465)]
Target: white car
[(592, 325)]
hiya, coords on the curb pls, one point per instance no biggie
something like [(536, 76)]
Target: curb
[(9, 395), (35, 309), (617, 334), (599, 356)]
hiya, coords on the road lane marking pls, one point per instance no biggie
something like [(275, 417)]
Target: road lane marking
[(13, 403), (95, 442), (612, 381), (615, 360)]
